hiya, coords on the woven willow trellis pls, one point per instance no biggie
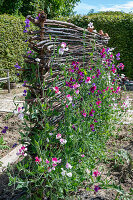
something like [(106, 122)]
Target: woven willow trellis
[(46, 42)]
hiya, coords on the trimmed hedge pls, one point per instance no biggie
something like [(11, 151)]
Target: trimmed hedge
[(12, 43), (119, 26)]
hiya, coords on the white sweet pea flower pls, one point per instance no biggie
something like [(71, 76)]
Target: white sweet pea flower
[(90, 25), (63, 141), (21, 116), (68, 166), (47, 140), (63, 173), (61, 51), (37, 59), (69, 174)]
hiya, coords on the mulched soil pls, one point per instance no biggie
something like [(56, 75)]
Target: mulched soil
[(12, 136)]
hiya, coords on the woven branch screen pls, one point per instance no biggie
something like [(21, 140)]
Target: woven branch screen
[(46, 43)]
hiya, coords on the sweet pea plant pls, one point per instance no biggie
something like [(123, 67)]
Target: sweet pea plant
[(61, 156)]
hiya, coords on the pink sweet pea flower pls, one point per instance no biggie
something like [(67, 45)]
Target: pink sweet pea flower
[(84, 114), (93, 76), (82, 155), (54, 160), (96, 173), (63, 44), (63, 141), (69, 97), (58, 136), (107, 88), (66, 106), (98, 102), (88, 80), (76, 85), (49, 169), (47, 161), (59, 161), (77, 91), (56, 89), (37, 159)]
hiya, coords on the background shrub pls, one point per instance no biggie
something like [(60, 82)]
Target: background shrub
[(119, 26)]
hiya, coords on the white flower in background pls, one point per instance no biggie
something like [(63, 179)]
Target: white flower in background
[(63, 45), (37, 59), (50, 134), (68, 166), (69, 174), (63, 173), (19, 111), (58, 136), (63, 48), (21, 116), (63, 141), (90, 25), (47, 140), (61, 51), (87, 171)]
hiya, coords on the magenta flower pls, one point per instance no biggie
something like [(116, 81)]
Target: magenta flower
[(77, 91), (88, 80), (98, 103), (56, 89), (95, 120), (69, 97), (84, 114), (96, 173), (37, 159), (47, 161), (76, 85), (91, 112), (54, 160), (82, 155), (93, 88), (96, 188)]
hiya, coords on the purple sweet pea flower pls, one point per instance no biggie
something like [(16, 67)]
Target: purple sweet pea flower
[(96, 188), (14, 145), (25, 31), (17, 66), (5, 129)]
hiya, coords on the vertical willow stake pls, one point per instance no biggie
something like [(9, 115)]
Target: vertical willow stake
[(41, 21)]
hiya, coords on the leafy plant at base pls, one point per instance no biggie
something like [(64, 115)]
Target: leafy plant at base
[(62, 155)]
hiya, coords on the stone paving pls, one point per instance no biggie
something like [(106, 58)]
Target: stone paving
[(7, 99)]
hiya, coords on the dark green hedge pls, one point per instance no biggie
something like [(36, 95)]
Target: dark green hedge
[(119, 26), (12, 43)]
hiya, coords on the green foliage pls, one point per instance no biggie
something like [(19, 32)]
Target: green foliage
[(12, 43), (53, 8), (2, 143), (119, 26)]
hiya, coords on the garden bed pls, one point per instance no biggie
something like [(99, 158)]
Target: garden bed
[(119, 169), (12, 136)]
